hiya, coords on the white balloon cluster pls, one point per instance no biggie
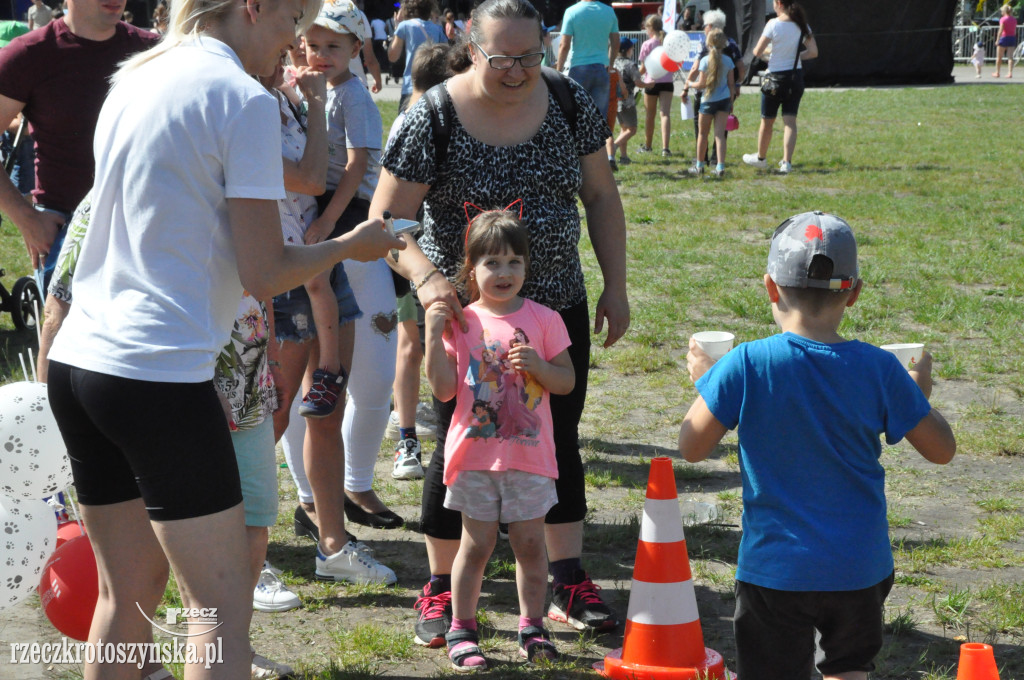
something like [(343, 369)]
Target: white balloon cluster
[(28, 534), (33, 465), (667, 57)]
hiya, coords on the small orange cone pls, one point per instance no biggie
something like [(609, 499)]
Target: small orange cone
[(977, 662), (663, 638)]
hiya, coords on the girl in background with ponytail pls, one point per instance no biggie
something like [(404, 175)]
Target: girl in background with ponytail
[(715, 77), (657, 93), (787, 34)]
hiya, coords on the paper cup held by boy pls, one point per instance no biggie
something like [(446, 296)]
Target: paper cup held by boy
[(714, 343), (909, 353)]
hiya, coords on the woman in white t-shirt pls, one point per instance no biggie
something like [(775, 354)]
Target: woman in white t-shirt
[(185, 214), (791, 42)]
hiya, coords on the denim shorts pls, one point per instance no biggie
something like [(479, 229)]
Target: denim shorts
[(257, 471), (1007, 41), (719, 105), (293, 313), (50, 262)]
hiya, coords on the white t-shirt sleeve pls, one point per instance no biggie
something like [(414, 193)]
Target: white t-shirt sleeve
[(254, 170)]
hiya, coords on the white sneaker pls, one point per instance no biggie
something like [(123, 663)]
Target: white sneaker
[(271, 594), (696, 170), (785, 168), (425, 415), (752, 159), (720, 173), (424, 430), (354, 563), (265, 669), (407, 460)]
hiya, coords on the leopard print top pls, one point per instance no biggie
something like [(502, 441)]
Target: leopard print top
[(544, 171)]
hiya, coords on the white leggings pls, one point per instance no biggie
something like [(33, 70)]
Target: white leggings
[(369, 383)]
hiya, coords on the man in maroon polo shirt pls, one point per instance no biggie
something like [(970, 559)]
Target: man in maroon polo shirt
[(57, 76)]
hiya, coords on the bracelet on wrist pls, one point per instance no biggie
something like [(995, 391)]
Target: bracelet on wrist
[(426, 277), (273, 362)]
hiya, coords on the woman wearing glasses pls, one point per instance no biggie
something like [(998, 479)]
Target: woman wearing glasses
[(510, 139)]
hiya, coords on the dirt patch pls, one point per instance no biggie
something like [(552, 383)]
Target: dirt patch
[(930, 506)]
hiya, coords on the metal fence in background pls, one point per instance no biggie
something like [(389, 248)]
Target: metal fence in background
[(965, 37)]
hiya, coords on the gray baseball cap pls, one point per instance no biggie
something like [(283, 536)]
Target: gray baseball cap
[(807, 238)]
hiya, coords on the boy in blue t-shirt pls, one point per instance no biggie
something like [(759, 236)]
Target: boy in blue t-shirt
[(809, 406)]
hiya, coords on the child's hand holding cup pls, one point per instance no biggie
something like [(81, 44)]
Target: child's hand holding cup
[(916, 360), (706, 347)]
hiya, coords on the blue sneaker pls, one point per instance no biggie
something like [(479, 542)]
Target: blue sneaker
[(323, 395)]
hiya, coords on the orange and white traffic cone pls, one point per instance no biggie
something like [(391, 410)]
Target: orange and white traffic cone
[(977, 662), (663, 638)]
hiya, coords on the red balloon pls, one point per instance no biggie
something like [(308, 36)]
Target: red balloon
[(68, 530), (668, 64), (70, 587)]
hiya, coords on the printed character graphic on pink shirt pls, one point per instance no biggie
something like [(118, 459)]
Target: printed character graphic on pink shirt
[(505, 397), (482, 421), (533, 392)]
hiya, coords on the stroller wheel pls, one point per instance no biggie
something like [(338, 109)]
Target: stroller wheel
[(26, 301)]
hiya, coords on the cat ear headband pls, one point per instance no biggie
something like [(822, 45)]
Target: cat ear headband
[(480, 211)]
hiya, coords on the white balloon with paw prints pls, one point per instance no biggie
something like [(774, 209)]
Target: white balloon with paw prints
[(677, 45), (33, 459), (28, 535)]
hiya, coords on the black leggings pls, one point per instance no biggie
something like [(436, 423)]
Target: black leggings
[(166, 442), (438, 521)]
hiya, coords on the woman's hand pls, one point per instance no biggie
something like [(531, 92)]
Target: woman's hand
[(612, 307), (370, 241), (437, 320), (312, 84), (437, 289)]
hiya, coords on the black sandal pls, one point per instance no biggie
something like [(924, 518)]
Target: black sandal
[(535, 645), (468, 640)]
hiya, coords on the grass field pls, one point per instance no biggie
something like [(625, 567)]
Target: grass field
[(931, 181)]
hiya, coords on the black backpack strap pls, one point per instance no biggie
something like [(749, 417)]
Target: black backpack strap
[(442, 112), (559, 86)]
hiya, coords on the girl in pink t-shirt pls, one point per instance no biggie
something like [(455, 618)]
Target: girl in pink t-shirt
[(1007, 39), (500, 454)]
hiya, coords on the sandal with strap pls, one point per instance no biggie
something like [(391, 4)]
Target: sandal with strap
[(535, 645), (464, 652)]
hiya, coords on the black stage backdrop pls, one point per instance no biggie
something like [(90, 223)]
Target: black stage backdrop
[(880, 42), (862, 42)]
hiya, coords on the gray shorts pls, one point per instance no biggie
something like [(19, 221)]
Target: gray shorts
[(501, 496), (627, 117)]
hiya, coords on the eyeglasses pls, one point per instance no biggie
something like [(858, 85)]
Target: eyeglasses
[(503, 62)]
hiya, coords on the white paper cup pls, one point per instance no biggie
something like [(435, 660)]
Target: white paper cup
[(714, 343), (909, 353)]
